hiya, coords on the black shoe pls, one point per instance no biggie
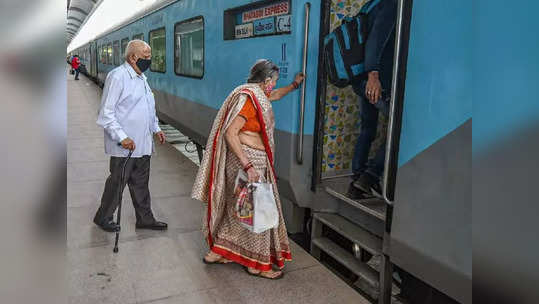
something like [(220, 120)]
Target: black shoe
[(357, 194), (153, 226), (365, 182), (376, 190), (109, 226)]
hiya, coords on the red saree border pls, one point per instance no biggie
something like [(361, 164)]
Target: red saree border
[(251, 263), (263, 127), (214, 145)]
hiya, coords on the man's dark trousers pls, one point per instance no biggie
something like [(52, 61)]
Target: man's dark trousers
[(77, 70), (137, 176)]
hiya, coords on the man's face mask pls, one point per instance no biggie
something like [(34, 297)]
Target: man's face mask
[(143, 64)]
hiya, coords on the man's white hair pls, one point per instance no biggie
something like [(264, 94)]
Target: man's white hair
[(133, 46)]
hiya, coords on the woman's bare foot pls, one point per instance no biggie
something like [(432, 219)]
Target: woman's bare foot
[(272, 274), (212, 257)]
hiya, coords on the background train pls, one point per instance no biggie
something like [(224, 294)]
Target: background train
[(202, 49)]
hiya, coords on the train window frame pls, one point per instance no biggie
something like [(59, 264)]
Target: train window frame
[(122, 49), (150, 44), (203, 46), (116, 53), (109, 53), (100, 53), (137, 36)]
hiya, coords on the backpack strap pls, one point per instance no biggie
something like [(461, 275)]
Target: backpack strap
[(367, 7)]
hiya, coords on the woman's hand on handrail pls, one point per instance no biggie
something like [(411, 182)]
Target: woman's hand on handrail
[(281, 92)]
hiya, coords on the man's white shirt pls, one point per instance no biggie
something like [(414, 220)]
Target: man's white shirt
[(128, 110)]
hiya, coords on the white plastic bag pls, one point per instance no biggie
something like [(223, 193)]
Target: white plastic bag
[(256, 208), (266, 215)]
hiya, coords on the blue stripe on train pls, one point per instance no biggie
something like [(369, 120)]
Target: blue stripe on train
[(438, 95)]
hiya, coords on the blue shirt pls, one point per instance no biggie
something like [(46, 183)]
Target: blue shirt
[(128, 110)]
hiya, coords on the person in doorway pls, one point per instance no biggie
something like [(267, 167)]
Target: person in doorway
[(128, 117), (75, 64), (242, 138), (374, 97)]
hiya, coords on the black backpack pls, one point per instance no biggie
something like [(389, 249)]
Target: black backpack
[(344, 48)]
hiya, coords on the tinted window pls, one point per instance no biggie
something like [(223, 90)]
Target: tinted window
[(157, 43), (109, 53), (116, 52), (124, 46), (138, 36), (189, 47), (104, 54)]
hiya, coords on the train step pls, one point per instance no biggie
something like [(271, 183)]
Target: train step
[(338, 188), (362, 270), (349, 230)]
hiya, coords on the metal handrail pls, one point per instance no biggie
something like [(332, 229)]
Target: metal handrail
[(299, 152), (389, 143)]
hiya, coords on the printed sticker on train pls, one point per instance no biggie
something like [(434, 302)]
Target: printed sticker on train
[(282, 23), (277, 9), (264, 26), (244, 30)]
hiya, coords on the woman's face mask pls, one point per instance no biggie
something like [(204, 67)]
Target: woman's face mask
[(270, 86)]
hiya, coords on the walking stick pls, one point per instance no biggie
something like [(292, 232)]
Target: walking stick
[(118, 216)]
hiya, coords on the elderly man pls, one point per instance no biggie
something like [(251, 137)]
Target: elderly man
[(128, 116)]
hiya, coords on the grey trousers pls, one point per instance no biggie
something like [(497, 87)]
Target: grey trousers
[(137, 176)]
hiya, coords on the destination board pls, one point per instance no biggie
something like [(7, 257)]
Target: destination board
[(281, 8)]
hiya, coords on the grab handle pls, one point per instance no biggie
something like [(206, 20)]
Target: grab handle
[(299, 151), (391, 123)]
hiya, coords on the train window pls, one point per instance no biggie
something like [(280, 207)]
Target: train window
[(104, 54), (138, 36), (261, 18), (125, 41), (116, 52), (158, 45), (189, 47), (109, 53)]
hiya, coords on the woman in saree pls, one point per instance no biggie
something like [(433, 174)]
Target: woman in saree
[(241, 138)]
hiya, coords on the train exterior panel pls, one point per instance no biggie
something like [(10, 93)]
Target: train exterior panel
[(430, 231)]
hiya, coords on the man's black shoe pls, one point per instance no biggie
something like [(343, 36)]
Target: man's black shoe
[(153, 226), (365, 182), (110, 226), (357, 194)]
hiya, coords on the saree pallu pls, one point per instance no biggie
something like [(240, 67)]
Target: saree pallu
[(214, 185)]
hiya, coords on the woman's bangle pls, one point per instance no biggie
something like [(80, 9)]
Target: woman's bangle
[(248, 166)]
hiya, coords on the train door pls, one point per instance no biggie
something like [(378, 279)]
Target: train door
[(349, 163), (339, 124)]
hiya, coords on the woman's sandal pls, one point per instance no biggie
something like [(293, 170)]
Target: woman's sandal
[(260, 275), (220, 260)]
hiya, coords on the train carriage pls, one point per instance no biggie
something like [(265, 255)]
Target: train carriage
[(202, 49)]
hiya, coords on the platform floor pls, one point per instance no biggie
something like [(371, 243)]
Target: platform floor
[(161, 267)]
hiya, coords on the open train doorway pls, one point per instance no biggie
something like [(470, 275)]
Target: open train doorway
[(352, 130)]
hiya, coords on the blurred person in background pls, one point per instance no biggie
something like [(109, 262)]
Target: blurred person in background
[(128, 116), (75, 64)]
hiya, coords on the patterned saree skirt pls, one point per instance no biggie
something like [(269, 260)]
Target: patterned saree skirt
[(236, 243)]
